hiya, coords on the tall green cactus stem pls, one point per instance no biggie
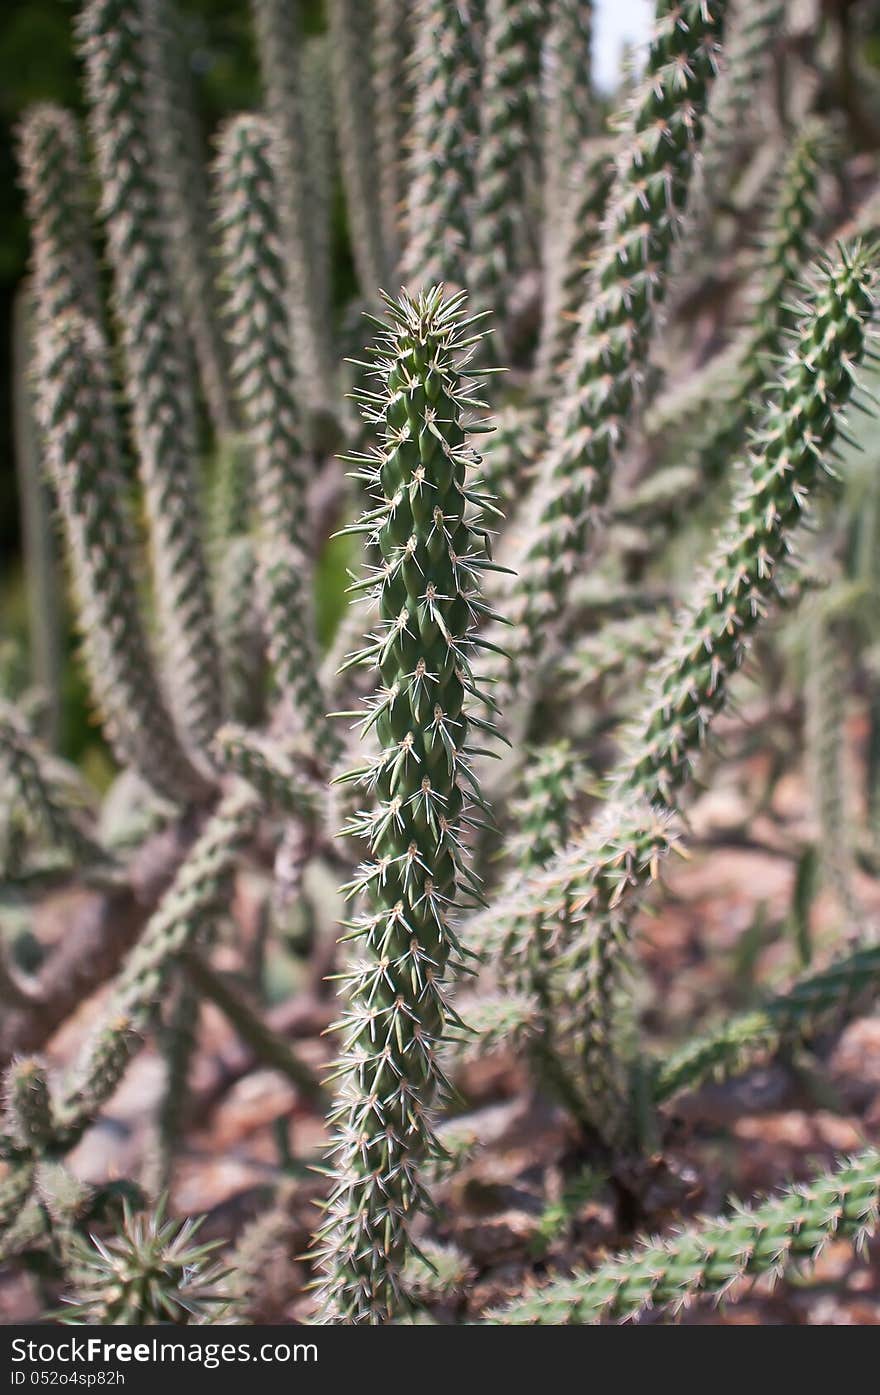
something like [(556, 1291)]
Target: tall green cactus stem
[(708, 1257), (175, 131), (83, 455), (196, 897), (445, 129), (350, 28), (428, 528), (392, 101), (262, 367), (511, 55), (28, 766), (827, 686), (577, 233), (256, 310), (628, 282), (113, 45), (812, 1004), (241, 642), (277, 24), (64, 265)]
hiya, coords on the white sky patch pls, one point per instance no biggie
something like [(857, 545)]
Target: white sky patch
[(618, 22)]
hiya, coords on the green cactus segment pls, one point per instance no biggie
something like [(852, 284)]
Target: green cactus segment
[(808, 1006), (177, 138), (15, 1188), (83, 455), (392, 100), (707, 1258), (29, 769), (783, 260), (445, 129), (256, 301), (284, 585), (628, 282), (277, 24), (256, 311), (53, 173), (507, 98), (113, 43), (151, 1272), (567, 272), (238, 626), (350, 29), (28, 1106), (198, 895), (790, 456), (428, 529), (321, 154)]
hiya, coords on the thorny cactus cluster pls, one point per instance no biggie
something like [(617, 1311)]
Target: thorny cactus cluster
[(685, 308)]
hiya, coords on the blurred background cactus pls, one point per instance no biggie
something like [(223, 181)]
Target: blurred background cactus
[(619, 600)]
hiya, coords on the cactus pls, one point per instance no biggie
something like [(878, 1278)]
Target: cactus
[(83, 457), (308, 296), (661, 373), (445, 124), (709, 1257), (428, 528), (510, 69), (350, 26), (114, 49), (627, 284)]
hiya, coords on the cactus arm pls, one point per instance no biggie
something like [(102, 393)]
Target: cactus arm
[(113, 46), (708, 1257), (350, 25), (445, 127), (277, 24), (83, 459), (807, 1007)]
